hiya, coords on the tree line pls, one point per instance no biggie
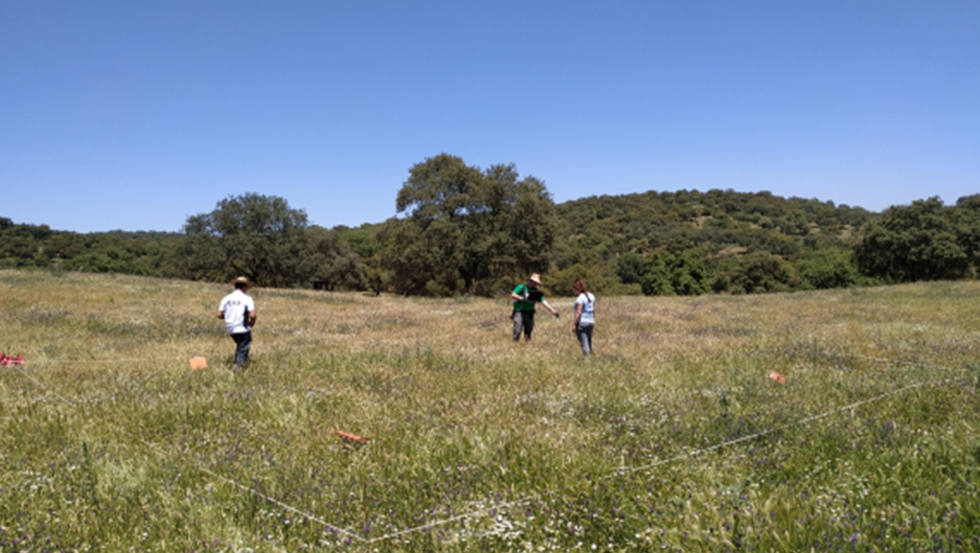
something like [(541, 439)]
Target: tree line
[(459, 229)]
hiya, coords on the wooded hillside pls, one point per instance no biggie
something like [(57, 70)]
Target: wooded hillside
[(684, 242)]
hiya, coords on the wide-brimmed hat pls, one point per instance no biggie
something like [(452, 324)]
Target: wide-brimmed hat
[(242, 280), (535, 278)]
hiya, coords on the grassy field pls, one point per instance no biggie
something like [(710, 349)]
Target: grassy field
[(672, 437)]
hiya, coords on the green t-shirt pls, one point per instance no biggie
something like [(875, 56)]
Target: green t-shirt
[(534, 295)]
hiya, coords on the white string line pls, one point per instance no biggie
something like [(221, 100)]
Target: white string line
[(76, 401), (21, 370), (618, 472), (113, 360), (290, 508), (182, 359), (253, 491), (472, 514), (629, 470), (865, 357), (305, 514)]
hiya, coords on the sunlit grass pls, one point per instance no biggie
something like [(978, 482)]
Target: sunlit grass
[(109, 442)]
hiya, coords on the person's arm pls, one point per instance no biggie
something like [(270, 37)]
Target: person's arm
[(549, 308), (221, 314), (578, 315), (251, 318), (515, 297)]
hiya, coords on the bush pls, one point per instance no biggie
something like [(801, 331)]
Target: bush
[(685, 274), (598, 278), (754, 273), (916, 242), (829, 268)]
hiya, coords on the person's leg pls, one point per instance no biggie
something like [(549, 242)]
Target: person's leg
[(584, 334), (518, 319), (528, 324), (242, 342)]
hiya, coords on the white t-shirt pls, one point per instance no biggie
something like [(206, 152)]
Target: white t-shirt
[(587, 301), (234, 306)]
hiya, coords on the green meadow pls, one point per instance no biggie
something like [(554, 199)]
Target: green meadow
[(672, 437)]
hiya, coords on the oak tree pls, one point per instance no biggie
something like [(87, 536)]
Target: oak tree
[(466, 230)]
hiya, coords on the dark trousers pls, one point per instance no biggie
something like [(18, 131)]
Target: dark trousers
[(523, 320), (243, 341), (584, 334)]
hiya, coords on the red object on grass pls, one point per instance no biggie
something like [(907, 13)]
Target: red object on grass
[(351, 439), (777, 377), (7, 360)]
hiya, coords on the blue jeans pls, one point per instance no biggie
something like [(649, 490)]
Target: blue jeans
[(584, 334), (242, 342)]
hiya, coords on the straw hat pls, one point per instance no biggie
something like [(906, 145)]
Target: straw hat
[(242, 280), (535, 278)]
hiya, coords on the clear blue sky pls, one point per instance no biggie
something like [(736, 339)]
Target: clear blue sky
[(135, 115)]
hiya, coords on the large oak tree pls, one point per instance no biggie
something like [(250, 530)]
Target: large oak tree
[(914, 242), (261, 237), (464, 230)]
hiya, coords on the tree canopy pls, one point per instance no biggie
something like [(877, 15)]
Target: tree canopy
[(922, 241), (261, 237), (257, 236), (464, 230)]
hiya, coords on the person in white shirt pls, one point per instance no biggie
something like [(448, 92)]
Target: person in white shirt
[(237, 309), (584, 322)]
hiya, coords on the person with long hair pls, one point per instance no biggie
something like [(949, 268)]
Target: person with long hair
[(584, 322)]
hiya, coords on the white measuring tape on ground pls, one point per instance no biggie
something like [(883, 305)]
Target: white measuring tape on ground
[(27, 375), (275, 501), (479, 513), (485, 511), (694, 453)]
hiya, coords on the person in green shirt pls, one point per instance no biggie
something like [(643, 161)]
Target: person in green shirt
[(525, 296)]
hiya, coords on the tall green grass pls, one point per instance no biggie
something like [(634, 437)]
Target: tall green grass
[(671, 437)]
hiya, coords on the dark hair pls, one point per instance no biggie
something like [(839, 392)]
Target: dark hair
[(241, 285), (579, 286)]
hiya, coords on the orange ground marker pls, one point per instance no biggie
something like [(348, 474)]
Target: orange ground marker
[(777, 377), (351, 439), (198, 363)]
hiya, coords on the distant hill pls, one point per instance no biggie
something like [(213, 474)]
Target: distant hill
[(684, 242), (614, 240), (715, 220), (141, 253)]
